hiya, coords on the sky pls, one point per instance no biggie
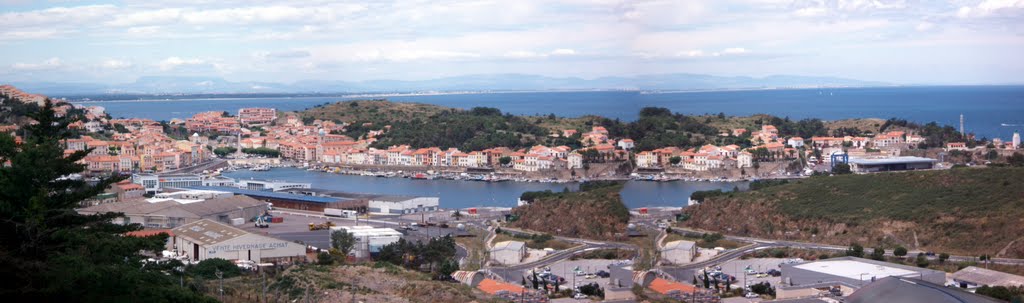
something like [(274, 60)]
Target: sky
[(904, 42)]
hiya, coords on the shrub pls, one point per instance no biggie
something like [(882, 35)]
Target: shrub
[(208, 268)]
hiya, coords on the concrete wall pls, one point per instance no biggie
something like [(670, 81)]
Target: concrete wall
[(508, 257)]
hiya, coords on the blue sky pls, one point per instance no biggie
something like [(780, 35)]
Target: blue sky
[(909, 42)]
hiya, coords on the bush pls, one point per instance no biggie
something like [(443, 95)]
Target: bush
[(325, 258), (899, 251), (763, 288), (223, 151), (208, 268)]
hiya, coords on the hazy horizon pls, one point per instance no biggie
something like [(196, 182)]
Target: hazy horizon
[(900, 42)]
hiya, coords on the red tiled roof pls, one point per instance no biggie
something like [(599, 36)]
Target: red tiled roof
[(663, 286), (149, 232), (492, 287)]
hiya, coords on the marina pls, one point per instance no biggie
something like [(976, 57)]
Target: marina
[(459, 191)]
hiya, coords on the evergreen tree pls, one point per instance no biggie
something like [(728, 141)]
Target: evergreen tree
[(48, 251)]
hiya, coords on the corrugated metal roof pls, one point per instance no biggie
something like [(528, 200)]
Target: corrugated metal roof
[(893, 160), (207, 232), (270, 194), (981, 276)]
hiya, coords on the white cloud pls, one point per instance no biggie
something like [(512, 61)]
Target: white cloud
[(49, 64), (521, 54), (115, 64), (810, 12), (924, 26), (286, 54), (990, 8), (563, 52), (174, 62), (734, 51)]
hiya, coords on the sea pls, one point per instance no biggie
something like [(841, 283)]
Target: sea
[(464, 194), (989, 111)]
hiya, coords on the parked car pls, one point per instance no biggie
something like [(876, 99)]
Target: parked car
[(603, 274), (774, 272)]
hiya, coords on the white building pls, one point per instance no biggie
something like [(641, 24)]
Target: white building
[(574, 160), (194, 195), (795, 142), (508, 252), (206, 239), (679, 252), (1016, 140), (268, 185), (646, 159), (626, 144), (397, 205), (369, 239), (744, 159), (154, 182)]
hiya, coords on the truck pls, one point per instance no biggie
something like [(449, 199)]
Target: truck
[(322, 226), (334, 212)]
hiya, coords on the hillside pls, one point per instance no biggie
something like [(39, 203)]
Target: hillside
[(381, 282), (595, 212), (372, 111), (424, 125), (961, 211)]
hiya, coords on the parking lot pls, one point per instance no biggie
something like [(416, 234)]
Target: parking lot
[(565, 269), (738, 268)]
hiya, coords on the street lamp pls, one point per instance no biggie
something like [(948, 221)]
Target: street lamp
[(220, 288)]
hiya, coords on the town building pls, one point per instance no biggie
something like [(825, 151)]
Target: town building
[(744, 159), (508, 252), (795, 142), (257, 116), (400, 205), (1016, 140), (574, 161), (844, 276), (368, 239), (155, 182), (951, 146), (626, 144), (206, 239), (679, 252)]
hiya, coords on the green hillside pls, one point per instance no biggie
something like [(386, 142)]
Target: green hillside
[(595, 212), (966, 211)]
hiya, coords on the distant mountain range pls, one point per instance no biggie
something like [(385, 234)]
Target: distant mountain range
[(496, 82)]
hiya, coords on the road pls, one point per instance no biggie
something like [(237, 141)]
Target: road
[(515, 272), (208, 165)]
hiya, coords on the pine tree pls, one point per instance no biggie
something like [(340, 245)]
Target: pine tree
[(51, 253)]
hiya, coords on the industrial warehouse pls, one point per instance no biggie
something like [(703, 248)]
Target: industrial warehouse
[(368, 239), (169, 214), (869, 165), (206, 239), (845, 276)]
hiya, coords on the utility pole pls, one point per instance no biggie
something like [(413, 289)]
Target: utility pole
[(220, 288), (962, 125)]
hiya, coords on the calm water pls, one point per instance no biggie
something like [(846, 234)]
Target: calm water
[(986, 108), (462, 194)]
